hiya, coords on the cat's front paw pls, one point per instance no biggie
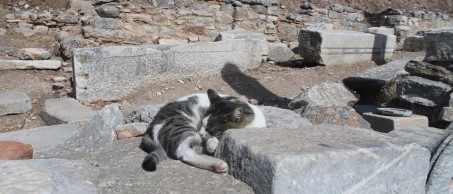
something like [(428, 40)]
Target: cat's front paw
[(211, 145), (220, 167)]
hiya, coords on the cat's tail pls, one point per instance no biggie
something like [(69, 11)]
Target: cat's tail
[(156, 153)]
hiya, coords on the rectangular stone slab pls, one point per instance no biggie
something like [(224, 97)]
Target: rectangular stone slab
[(324, 159), (110, 73), (383, 123), (29, 64), (336, 47)]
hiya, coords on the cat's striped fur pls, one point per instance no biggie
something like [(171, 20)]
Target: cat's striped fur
[(181, 129)]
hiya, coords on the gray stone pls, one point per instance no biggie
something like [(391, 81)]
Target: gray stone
[(371, 81), (429, 71), (97, 2), (429, 138), (65, 110), (446, 114), (143, 113), (439, 47), (29, 64), (99, 132), (414, 43), (152, 63), (27, 32), (335, 115), (227, 8), (266, 159), (325, 94), (336, 7), (184, 3), (259, 9), (107, 23), (14, 103), (6, 51), (441, 174), (68, 44), (279, 52), (47, 176), (77, 5), (2, 31), (394, 20), (397, 112), (333, 14), (34, 54), (42, 138), (356, 17), (165, 4), (288, 32), (422, 91), (108, 12), (68, 19), (364, 108), (335, 47), (306, 5), (277, 117), (381, 30), (41, 30), (121, 172)]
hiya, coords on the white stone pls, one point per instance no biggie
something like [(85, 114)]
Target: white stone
[(65, 110), (14, 103), (29, 64)]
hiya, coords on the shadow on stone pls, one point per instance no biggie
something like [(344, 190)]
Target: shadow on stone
[(378, 53), (250, 87), (298, 63)]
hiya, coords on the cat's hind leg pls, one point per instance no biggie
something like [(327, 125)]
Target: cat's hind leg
[(156, 153), (190, 151)]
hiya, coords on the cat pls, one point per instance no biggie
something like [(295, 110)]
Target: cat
[(188, 129)]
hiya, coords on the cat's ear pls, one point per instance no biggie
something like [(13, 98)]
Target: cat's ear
[(213, 96), (237, 115)]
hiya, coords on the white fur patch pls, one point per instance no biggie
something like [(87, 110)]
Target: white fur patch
[(204, 123), (184, 148), (259, 121), (156, 130)]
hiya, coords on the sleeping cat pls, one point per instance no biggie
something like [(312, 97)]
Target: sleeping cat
[(184, 129)]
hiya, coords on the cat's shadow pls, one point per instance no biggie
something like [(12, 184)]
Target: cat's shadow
[(250, 87)]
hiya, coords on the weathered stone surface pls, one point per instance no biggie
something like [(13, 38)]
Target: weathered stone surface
[(77, 5), (69, 43), (47, 176), (429, 71), (107, 23), (335, 47), (68, 19), (6, 51), (439, 47), (381, 30), (371, 81), (14, 103), (396, 112), (33, 64), (324, 154), (121, 172), (429, 137), (97, 2), (325, 94), (422, 91), (41, 30), (2, 31), (41, 138), (108, 12), (279, 52), (34, 54), (336, 115), (99, 131), (152, 63), (143, 113), (11, 150), (385, 124), (131, 130), (277, 117), (65, 110), (446, 114), (441, 174), (414, 43)]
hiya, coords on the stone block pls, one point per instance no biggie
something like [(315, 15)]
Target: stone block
[(65, 110), (98, 2), (6, 51), (29, 64), (422, 91), (371, 81), (335, 115), (335, 47), (414, 43), (325, 94), (429, 71), (428, 137), (98, 132), (446, 114), (47, 176), (11, 150), (439, 46), (279, 52), (110, 73), (14, 103), (34, 54), (107, 23), (381, 30), (324, 159), (441, 173), (41, 138), (108, 12), (383, 123)]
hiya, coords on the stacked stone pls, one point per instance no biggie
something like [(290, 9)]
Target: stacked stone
[(430, 82), (408, 23)]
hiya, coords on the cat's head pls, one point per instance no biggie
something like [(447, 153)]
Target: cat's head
[(226, 113)]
